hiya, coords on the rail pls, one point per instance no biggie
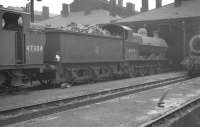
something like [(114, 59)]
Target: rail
[(34, 111), (173, 114)]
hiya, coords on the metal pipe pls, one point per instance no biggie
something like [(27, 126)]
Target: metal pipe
[(32, 10)]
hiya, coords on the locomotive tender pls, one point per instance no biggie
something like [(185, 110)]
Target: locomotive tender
[(56, 56)]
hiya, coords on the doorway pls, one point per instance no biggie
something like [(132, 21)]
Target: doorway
[(14, 22), (173, 35)]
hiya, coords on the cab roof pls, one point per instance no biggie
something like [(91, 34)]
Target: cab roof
[(14, 11)]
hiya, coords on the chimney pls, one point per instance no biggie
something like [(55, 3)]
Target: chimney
[(65, 10), (113, 7), (158, 3), (112, 2), (130, 8), (177, 3), (28, 7), (45, 12), (145, 5), (120, 3)]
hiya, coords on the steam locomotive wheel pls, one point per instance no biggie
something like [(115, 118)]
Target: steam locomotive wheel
[(10, 82), (195, 44), (2, 79), (151, 71), (46, 82), (132, 71)]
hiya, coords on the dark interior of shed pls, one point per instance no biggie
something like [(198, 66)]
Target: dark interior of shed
[(173, 34)]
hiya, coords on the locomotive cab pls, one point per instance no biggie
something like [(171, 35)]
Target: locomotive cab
[(131, 42), (21, 48), (14, 23), (13, 35)]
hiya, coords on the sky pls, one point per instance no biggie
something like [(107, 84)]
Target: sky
[(56, 5)]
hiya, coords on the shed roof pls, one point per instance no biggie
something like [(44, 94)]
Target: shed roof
[(189, 8), (95, 17)]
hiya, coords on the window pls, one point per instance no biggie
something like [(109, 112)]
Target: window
[(12, 21), (3, 23), (20, 21)]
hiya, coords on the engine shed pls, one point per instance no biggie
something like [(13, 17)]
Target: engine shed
[(176, 23)]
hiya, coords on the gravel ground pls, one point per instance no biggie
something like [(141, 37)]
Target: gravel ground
[(127, 111)]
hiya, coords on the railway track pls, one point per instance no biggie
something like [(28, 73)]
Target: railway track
[(17, 89), (33, 111), (174, 115)]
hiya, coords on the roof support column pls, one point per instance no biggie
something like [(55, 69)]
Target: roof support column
[(184, 38)]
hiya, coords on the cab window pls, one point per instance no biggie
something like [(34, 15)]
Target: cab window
[(11, 21), (3, 22)]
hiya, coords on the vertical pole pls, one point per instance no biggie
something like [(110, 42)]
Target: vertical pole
[(32, 10), (184, 39), (123, 45)]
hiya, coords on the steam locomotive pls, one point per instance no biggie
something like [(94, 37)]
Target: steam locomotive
[(192, 62), (54, 56)]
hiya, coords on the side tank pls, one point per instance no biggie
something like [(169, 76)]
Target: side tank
[(35, 43)]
